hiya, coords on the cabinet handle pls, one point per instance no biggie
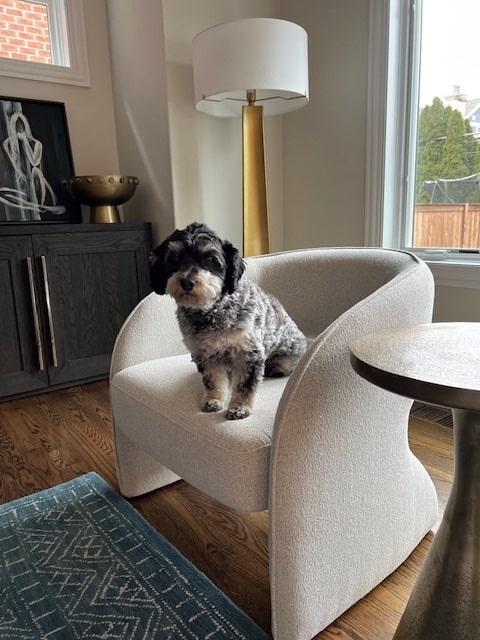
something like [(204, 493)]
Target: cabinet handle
[(36, 319), (49, 311)]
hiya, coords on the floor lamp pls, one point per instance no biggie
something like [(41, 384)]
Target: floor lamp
[(249, 68)]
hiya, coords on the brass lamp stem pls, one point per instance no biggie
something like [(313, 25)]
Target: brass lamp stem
[(255, 213), (251, 97)]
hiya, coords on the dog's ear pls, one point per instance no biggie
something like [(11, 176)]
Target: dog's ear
[(158, 273), (235, 266)]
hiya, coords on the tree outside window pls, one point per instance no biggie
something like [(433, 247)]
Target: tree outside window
[(448, 154)]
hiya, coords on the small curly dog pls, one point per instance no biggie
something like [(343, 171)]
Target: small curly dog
[(235, 331)]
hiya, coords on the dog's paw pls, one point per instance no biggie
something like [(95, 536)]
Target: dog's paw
[(238, 412), (211, 405)]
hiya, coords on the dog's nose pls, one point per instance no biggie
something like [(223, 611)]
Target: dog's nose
[(187, 284)]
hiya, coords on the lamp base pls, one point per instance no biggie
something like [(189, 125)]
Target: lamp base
[(255, 211)]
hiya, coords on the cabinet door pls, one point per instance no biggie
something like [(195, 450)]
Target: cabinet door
[(91, 282), (22, 354)]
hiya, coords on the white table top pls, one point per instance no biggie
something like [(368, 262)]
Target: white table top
[(435, 363)]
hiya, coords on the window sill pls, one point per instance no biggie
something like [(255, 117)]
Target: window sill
[(77, 75), (456, 274)]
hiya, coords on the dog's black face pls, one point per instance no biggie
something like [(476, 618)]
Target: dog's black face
[(195, 267)]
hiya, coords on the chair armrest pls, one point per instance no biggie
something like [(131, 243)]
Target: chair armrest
[(151, 331), (324, 387), (342, 477)]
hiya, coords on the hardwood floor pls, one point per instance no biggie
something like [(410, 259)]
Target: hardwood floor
[(54, 437)]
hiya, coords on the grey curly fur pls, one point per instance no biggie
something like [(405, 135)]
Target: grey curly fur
[(235, 331)]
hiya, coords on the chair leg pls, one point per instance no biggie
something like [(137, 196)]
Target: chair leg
[(138, 472)]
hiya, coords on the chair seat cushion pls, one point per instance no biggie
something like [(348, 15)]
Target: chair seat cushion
[(157, 406)]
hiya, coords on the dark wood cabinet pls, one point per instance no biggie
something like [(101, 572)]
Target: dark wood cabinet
[(65, 291)]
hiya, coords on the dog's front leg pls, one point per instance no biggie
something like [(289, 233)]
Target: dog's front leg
[(247, 373), (216, 384)]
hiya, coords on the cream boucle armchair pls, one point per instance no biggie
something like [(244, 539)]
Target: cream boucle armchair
[(325, 451)]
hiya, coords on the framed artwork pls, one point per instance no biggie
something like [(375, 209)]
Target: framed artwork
[(35, 159)]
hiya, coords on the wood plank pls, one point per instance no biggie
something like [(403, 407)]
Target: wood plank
[(56, 436)]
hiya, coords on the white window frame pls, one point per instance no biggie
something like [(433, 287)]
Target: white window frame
[(69, 44), (392, 89)]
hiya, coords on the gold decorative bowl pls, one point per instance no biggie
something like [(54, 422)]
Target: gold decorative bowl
[(102, 194)]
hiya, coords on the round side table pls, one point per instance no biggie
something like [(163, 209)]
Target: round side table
[(439, 364)]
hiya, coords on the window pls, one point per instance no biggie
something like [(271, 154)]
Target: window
[(423, 164), (43, 40)]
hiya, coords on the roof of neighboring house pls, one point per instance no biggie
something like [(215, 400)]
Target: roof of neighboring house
[(471, 107)]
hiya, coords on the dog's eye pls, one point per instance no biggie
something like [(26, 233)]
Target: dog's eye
[(212, 262)]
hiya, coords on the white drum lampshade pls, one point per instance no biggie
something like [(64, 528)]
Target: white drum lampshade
[(244, 68)]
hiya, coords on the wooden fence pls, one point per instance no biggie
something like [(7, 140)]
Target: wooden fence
[(447, 225)]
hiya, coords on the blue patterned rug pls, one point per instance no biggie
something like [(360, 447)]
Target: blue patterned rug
[(78, 562)]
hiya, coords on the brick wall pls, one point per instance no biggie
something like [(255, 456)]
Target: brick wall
[(24, 31)]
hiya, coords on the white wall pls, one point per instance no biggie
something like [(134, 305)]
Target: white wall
[(325, 143), (141, 109)]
